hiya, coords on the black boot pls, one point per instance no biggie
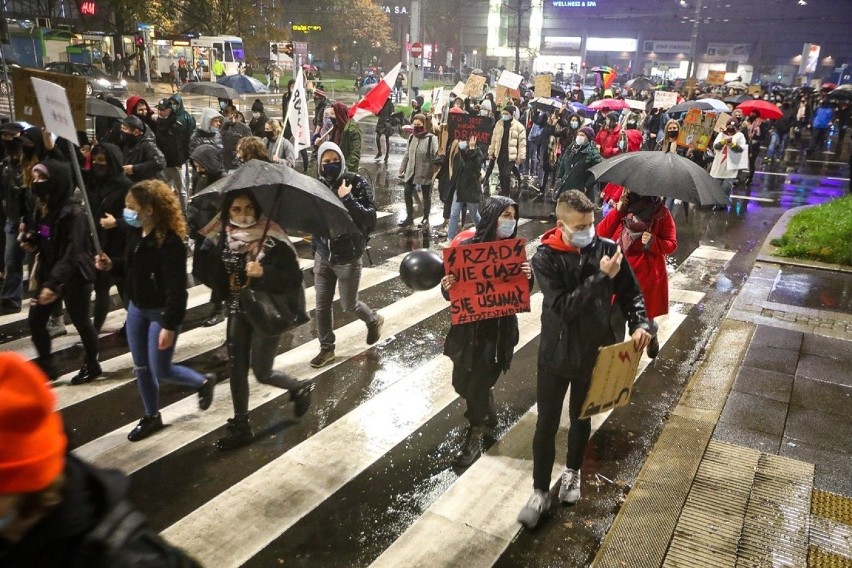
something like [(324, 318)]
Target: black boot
[(147, 426), (216, 316), (238, 434), (654, 348), (46, 365), (87, 373), (470, 449), (301, 398), (407, 222)]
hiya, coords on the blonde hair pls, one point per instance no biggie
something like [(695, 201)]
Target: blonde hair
[(252, 148), (166, 209), (275, 126)]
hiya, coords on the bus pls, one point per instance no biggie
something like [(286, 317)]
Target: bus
[(228, 49)]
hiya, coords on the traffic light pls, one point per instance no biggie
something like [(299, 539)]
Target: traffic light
[(288, 48), (274, 48), (138, 40)]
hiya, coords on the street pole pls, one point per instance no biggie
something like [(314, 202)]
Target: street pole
[(518, 40), (413, 37), (692, 67)]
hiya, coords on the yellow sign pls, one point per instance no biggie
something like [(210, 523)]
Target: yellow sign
[(26, 103), (715, 77), (691, 83), (473, 87), (612, 379), (697, 131), (306, 28), (755, 90), (542, 85)]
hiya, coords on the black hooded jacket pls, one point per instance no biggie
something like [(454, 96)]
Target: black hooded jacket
[(106, 196), (61, 234), (473, 345), (93, 527), (147, 160), (172, 139)]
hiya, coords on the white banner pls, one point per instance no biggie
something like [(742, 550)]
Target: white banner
[(664, 99), (509, 80), (55, 110), (297, 115)]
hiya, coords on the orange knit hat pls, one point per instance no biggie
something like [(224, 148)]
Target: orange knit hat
[(32, 441)]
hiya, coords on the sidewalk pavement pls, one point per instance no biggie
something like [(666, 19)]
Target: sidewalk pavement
[(753, 467)]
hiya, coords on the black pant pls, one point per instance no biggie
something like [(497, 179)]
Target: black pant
[(247, 348), (379, 137), (505, 170), (550, 395), (103, 282), (410, 188), (77, 298), (753, 151), (474, 386)]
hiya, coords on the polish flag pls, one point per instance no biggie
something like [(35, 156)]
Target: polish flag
[(373, 101)]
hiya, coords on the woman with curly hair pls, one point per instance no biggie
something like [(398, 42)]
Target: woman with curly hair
[(154, 269)]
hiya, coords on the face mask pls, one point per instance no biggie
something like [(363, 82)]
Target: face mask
[(131, 217), (268, 135), (622, 145), (672, 133), (128, 138), (582, 239), (256, 114), (100, 170), (419, 129), (214, 129), (507, 117), (41, 190), (505, 228), (331, 171), (8, 519), (575, 125), (244, 223), (731, 130), (462, 146), (580, 140)]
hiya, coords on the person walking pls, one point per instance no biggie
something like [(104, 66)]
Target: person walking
[(256, 253), (15, 198), (209, 131), (172, 137), (286, 152), (581, 276), (727, 147), (142, 159), (820, 126), (465, 167), (575, 163), (58, 236), (154, 271), (347, 135), (756, 130), (482, 350), (337, 262), (646, 231), (417, 170), (384, 129), (508, 147)]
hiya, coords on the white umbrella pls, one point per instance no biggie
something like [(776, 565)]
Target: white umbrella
[(739, 85), (716, 104)]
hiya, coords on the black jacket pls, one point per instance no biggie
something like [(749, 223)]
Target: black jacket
[(12, 192), (362, 208), (155, 276), (147, 160), (232, 133), (172, 140), (467, 165), (93, 527), (577, 308), (106, 195)]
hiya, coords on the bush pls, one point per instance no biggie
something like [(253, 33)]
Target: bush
[(822, 233)]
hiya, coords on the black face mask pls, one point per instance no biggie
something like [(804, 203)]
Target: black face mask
[(672, 133), (731, 130), (100, 171), (42, 190), (268, 135), (128, 139)]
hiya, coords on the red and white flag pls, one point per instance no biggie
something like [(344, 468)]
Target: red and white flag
[(373, 101)]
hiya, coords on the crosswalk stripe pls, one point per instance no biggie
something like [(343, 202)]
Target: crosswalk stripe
[(292, 485)]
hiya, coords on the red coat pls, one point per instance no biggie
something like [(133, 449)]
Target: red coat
[(648, 265), (608, 141)]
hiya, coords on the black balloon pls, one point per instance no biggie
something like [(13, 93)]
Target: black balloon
[(421, 269)]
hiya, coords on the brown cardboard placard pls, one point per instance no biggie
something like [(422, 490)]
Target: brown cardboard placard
[(26, 103), (697, 130), (612, 379), (715, 77), (474, 85), (721, 122), (543, 84)]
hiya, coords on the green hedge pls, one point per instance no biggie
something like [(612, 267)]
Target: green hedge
[(822, 233)]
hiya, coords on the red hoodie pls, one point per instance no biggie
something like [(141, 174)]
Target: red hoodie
[(553, 239)]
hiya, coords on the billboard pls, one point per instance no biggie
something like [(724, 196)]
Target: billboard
[(810, 58)]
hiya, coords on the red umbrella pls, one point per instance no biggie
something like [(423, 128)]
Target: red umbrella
[(766, 109), (829, 86), (612, 104)]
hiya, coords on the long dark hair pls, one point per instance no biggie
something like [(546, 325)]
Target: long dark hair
[(490, 211), (232, 196)]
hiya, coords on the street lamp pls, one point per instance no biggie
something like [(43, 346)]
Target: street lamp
[(474, 59)]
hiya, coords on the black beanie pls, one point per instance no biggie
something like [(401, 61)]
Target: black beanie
[(257, 106), (510, 109)]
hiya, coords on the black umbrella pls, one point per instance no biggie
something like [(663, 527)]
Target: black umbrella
[(661, 173), (684, 107), (209, 89), (841, 93), (293, 200), (97, 107), (639, 84), (739, 99)]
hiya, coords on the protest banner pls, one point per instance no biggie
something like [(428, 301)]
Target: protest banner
[(543, 84), (505, 94), (636, 105), (474, 85), (26, 104), (509, 80), (612, 379), (721, 122), (664, 99), (715, 77), (458, 90), (697, 131), (438, 101), (755, 90), (489, 281), (461, 126)]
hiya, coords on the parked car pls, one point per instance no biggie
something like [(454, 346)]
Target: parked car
[(96, 80)]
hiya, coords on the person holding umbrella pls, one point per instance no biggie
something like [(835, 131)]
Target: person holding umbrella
[(756, 131), (645, 229), (728, 145), (256, 253)]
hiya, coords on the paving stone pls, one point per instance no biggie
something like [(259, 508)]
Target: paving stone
[(755, 413), (777, 337), (831, 468), (830, 431), (828, 347), (734, 434), (819, 395), (772, 359), (824, 369), (768, 384)]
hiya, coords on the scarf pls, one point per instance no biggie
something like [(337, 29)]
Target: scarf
[(754, 128), (243, 240), (632, 230)]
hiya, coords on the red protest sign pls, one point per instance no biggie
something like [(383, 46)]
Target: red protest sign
[(489, 282)]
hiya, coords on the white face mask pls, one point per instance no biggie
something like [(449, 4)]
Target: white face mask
[(462, 145), (244, 222), (256, 114), (581, 239), (505, 228), (580, 140)]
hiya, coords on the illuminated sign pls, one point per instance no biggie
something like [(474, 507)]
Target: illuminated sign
[(663, 46), (306, 28), (394, 10), (575, 3), (87, 8)]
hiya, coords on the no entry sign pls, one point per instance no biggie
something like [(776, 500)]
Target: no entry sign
[(416, 49)]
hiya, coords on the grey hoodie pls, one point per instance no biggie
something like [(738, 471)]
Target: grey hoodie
[(335, 148), (203, 134)]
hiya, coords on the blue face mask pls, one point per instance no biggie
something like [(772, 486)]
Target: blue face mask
[(8, 519), (462, 145), (331, 171), (507, 117), (131, 217), (582, 239), (505, 228)]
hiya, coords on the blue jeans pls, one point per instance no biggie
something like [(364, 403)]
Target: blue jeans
[(346, 277), (776, 146), (455, 214), (13, 286), (151, 364)]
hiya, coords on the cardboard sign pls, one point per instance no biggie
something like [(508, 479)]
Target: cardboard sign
[(505, 94), (755, 90), (55, 110), (489, 280), (438, 100), (721, 122), (636, 105), (461, 126), (458, 90), (26, 103), (697, 131), (715, 77), (664, 99), (509, 79), (542, 85), (691, 83), (612, 379), (474, 85)]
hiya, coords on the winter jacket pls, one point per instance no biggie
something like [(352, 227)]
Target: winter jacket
[(350, 144), (573, 171), (12, 193), (172, 140), (183, 115), (608, 141), (823, 116), (64, 246), (384, 116), (93, 526), (361, 207), (648, 262), (232, 133), (147, 160), (106, 196), (578, 302), (517, 141), (719, 169), (418, 161), (258, 124), (465, 169), (147, 118), (204, 134), (287, 153)]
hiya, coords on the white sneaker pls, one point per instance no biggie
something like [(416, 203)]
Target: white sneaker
[(569, 490), (538, 503)]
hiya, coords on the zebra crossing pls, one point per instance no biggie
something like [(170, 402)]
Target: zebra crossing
[(337, 472)]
